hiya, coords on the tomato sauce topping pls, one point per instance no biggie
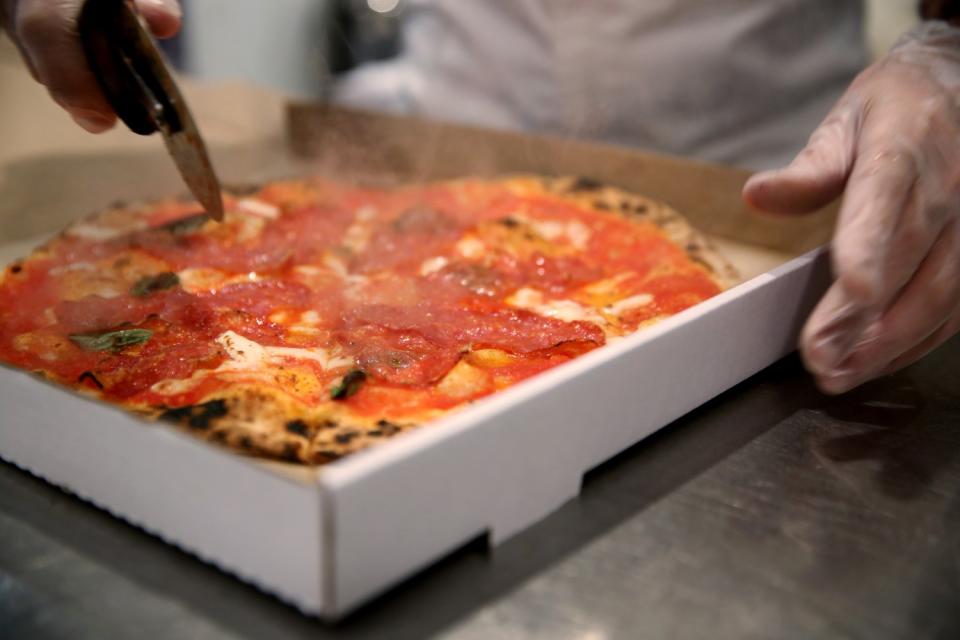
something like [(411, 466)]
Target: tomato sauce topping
[(404, 284)]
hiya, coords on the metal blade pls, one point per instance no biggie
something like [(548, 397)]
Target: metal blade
[(190, 155)]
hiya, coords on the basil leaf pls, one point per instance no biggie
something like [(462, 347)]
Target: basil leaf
[(349, 385), (112, 340), (150, 284), (183, 226)]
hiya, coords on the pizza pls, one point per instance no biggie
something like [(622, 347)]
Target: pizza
[(320, 318)]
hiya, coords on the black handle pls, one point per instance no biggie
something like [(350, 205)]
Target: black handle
[(124, 58)]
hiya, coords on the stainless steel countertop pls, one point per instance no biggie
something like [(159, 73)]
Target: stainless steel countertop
[(771, 512)]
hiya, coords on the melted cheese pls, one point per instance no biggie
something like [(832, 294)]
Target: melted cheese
[(101, 233), (259, 208), (470, 247), (310, 317), (464, 381), (629, 304), (606, 318), (357, 236), (339, 267), (574, 232), (566, 310), (490, 358), (251, 360), (201, 280), (332, 262), (308, 324), (246, 354), (209, 280), (250, 228), (433, 265), (608, 286)]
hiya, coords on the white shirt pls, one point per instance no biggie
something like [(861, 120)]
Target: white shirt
[(735, 81)]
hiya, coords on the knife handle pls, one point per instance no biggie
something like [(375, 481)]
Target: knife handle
[(122, 56)]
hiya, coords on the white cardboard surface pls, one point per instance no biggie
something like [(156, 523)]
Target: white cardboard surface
[(379, 516), (255, 524), (513, 459)]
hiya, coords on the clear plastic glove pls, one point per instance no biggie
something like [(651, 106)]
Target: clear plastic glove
[(891, 146), (45, 31)]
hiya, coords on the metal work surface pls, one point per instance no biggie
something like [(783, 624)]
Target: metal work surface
[(771, 512)]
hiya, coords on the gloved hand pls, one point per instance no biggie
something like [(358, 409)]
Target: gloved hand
[(45, 31), (891, 145)]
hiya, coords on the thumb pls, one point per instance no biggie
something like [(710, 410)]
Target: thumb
[(817, 176), (163, 16)]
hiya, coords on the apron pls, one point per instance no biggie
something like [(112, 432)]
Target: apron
[(735, 81)]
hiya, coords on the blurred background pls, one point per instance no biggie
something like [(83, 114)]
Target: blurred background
[(296, 45)]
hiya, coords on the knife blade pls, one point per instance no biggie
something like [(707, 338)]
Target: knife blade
[(130, 70)]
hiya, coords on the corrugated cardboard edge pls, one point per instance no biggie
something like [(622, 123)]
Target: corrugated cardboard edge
[(503, 490), (82, 460)]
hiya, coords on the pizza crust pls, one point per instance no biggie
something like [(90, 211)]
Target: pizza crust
[(598, 196), (264, 422)]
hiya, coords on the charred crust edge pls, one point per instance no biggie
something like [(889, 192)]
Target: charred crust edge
[(198, 416), (298, 428), (582, 184), (89, 375)]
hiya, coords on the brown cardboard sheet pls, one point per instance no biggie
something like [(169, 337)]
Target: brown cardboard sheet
[(364, 145)]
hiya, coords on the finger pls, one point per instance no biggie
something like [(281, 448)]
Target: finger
[(162, 16), (926, 304), (47, 33), (816, 177), (832, 330), (946, 331), (879, 192), (868, 223)]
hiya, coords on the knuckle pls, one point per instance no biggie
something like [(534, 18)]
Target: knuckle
[(897, 160)]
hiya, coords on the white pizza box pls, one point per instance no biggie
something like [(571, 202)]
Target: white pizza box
[(326, 540)]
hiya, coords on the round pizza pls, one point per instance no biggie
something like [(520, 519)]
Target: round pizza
[(320, 318)]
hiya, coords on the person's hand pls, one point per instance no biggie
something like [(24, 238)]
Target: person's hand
[(45, 31), (892, 147)]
